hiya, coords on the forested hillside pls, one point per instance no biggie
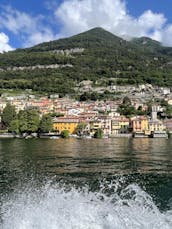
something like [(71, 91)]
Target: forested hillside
[(57, 66)]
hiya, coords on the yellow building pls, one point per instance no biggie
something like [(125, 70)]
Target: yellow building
[(140, 124), (120, 125), (69, 123)]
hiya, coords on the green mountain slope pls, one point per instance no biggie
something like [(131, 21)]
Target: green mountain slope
[(93, 38), (57, 66), (152, 45)]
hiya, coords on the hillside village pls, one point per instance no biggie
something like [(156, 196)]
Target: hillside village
[(86, 83), (147, 117)]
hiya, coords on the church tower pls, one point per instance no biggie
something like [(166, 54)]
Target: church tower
[(154, 113)]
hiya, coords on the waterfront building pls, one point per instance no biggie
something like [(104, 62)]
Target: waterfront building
[(95, 124), (168, 125), (156, 127), (140, 125), (105, 124), (119, 125), (69, 123)]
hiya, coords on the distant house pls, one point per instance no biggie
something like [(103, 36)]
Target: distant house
[(88, 115), (165, 91), (2, 105), (170, 101)]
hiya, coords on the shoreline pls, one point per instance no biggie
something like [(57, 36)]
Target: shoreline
[(55, 136)]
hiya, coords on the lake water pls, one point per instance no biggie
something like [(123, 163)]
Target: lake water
[(86, 184)]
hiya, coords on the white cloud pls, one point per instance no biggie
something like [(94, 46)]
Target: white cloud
[(166, 36), (31, 30), (16, 21), (77, 16), (4, 46), (39, 37)]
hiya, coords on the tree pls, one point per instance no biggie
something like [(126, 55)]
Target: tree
[(149, 109), (8, 115), (98, 133), (139, 111), (126, 101), (14, 126), (65, 134), (55, 114), (94, 96), (81, 129), (168, 111), (28, 121), (45, 124), (163, 103), (84, 97), (126, 110)]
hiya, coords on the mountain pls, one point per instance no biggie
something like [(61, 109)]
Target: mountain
[(97, 55), (90, 39), (147, 43), (152, 45)]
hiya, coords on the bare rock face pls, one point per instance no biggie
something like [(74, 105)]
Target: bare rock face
[(52, 66)]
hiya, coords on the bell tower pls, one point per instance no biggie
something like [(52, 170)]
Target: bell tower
[(154, 113)]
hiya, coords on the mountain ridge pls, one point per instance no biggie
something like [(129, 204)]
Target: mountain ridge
[(95, 32), (101, 56)]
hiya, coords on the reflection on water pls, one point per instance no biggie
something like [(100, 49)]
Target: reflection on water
[(98, 156), (143, 164), (153, 155), (45, 157)]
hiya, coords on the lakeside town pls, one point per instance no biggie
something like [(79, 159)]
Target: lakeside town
[(130, 114)]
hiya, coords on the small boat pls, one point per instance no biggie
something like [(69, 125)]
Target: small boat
[(54, 137), (87, 137)]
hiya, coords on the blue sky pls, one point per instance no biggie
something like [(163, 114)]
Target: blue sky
[(27, 23)]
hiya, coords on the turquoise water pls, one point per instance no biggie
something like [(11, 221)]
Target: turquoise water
[(73, 183)]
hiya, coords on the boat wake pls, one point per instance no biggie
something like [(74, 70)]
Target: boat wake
[(58, 207)]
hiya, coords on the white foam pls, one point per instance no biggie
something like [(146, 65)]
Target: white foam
[(57, 208)]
